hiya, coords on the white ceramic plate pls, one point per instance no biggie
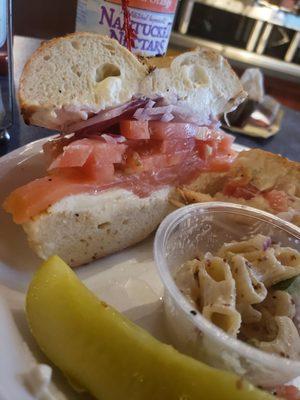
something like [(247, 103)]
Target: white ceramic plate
[(127, 280)]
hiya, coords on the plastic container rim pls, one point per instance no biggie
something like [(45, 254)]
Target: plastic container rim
[(205, 326)]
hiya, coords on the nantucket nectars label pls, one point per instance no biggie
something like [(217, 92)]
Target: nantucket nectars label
[(151, 20)]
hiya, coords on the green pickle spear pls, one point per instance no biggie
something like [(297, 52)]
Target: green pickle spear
[(111, 357)]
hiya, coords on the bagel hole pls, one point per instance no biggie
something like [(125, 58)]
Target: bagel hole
[(198, 75), (47, 57), (105, 71), (195, 73)]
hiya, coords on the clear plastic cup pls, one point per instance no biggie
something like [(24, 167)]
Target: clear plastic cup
[(205, 227)]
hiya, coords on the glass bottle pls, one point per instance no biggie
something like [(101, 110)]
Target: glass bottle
[(151, 21)]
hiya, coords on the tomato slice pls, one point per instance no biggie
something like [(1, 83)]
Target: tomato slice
[(74, 155), (216, 152), (171, 130), (97, 171), (154, 162), (171, 146), (288, 392), (134, 129), (205, 149), (278, 200), (159, 130), (239, 189), (225, 143), (77, 153), (146, 162), (133, 162), (220, 163), (106, 153)]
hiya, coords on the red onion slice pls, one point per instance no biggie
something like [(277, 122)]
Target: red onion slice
[(139, 115), (167, 117), (159, 110), (267, 243), (150, 104), (150, 112), (113, 139), (106, 118), (203, 133), (108, 138), (143, 109)]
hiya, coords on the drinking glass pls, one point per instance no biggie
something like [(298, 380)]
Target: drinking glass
[(6, 70)]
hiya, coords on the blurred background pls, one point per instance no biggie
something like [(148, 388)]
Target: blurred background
[(264, 34), (260, 38)]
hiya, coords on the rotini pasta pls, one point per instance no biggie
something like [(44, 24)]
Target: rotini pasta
[(249, 288), (234, 290), (278, 303), (268, 267), (218, 294), (287, 340), (256, 243)]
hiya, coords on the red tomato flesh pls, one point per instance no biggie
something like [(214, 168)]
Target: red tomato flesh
[(239, 189), (225, 143), (74, 155), (171, 146), (99, 172), (171, 130), (278, 200), (77, 153), (287, 392), (134, 129)]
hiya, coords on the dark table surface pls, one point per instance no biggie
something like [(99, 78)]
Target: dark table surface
[(286, 142)]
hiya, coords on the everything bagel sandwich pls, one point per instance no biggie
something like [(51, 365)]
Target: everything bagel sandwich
[(130, 132)]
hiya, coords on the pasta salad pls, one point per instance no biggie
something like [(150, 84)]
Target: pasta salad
[(248, 289)]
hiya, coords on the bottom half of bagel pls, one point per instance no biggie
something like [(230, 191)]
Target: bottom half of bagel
[(84, 227)]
